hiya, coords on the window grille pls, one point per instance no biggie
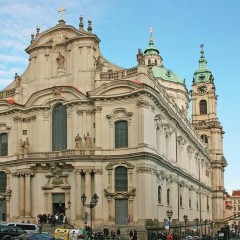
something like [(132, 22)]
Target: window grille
[(3, 144), (121, 134), (59, 128), (121, 179)]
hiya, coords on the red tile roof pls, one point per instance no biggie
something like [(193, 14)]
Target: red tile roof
[(236, 193)]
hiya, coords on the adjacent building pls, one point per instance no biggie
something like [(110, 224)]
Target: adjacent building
[(74, 123)]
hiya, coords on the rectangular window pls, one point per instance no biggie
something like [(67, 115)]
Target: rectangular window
[(24, 132)]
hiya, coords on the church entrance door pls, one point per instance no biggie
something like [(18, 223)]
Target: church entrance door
[(121, 211)]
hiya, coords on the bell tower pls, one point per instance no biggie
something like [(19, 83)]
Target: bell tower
[(206, 123)]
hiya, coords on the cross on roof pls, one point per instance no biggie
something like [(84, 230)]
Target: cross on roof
[(61, 11)]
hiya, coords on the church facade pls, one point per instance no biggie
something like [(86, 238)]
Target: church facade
[(74, 123)]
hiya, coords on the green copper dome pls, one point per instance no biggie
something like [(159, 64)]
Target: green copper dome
[(151, 50), (203, 74), (166, 74)]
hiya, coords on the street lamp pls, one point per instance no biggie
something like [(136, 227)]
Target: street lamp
[(185, 218), (205, 222), (169, 215), (91, 205), (197, 221)]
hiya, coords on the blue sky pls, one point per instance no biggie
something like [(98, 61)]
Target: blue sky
[(179, 26)]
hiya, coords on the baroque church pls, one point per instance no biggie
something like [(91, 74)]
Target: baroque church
[(74, 123)]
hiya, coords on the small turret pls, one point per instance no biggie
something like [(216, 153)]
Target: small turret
[(152, 56), (203, 74), (81, 26)]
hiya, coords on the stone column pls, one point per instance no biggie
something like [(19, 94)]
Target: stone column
[(78, 194), (28, 195), (47, 203), (110, 209), (69, 126), (7, 208), (174, 200), (88, 190), (98, 191), (98, 126), (130, 210), (22, 195)]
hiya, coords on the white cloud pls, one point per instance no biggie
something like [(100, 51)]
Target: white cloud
[(9, 58)]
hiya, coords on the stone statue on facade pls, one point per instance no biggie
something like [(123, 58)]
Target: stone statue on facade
[(60, 59), (140, 57), (24, 146), (78, 142), (21, 146), (98, 64), (18, 80), (88, 141)]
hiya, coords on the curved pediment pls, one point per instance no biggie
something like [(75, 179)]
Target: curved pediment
[(53, 94), (58, 35), (116, 89)]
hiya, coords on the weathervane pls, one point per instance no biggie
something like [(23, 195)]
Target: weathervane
[(61, 11)]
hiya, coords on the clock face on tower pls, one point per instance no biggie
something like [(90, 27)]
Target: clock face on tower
[(202, 88)]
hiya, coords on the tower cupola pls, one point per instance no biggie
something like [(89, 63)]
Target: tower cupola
[(152, 56), (203, 74)]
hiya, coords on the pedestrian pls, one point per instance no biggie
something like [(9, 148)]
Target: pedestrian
[(3, 216), (169, 236), (118, 233), (135, 234), (113, 233), (131, 234)]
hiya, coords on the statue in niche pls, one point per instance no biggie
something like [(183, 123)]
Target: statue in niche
[(60, 59), (140, 57), (88, 141), (78, 142)]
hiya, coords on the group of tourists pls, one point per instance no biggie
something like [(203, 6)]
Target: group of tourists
[(51, 219), (162, 236)]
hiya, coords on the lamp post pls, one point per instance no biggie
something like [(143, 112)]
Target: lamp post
[(64, 208), (197, 221), (91, 205), (169, 215), (205, 223), (185, 218)]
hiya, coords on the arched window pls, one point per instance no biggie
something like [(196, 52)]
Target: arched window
[(121, 134), (121, 179), (159, 194), (149, 62), (155, 62), (204, 138), (203, 107), (3, 144), (59, 128), (3, 182), (190, 203), (168, 197)]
